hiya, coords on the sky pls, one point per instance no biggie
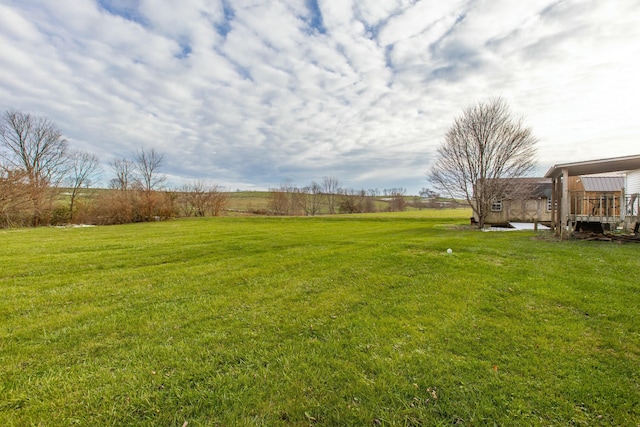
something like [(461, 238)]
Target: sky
[(248, 94)]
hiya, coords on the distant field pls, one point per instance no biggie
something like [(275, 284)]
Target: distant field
[(347, 320), (247, 201), (244, 203), (256, 201)]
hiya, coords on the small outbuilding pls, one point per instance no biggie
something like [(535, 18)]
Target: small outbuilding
[(526, 200)]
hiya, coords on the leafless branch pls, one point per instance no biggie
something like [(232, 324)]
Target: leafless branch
[(484, 144)]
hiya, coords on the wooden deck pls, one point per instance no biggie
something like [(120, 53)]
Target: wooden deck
[(605, 208)]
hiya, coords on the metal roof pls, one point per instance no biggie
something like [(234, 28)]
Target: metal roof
[(615, 164), (602, 183)]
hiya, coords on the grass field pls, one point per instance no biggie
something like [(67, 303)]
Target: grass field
[(325, 321), (247, 201)]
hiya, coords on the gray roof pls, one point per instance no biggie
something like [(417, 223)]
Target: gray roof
[(527, 188), (602, 183), (616, 164)]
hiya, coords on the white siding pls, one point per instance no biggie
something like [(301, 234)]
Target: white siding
[(633, 182)]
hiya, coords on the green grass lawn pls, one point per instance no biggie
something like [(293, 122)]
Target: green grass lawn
[(325, 321)]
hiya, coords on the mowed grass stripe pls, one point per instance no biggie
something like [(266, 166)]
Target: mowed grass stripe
[(341, 320)]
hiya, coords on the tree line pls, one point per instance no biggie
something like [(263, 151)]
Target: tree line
[(329, 197), (44, 182)]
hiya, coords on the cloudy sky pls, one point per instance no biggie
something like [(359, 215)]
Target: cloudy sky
[(248, 93)]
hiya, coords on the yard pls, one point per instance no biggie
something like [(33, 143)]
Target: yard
[(323, 321)]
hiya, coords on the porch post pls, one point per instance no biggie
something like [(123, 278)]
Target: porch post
[(554, 198), (566, 202), (558, 206)]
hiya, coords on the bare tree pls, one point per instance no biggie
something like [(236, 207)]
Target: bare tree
[(278, 202), (123, 170), (14, 198), (287, 200), (193, 199), (355, 201), (331, 187), (367, 201), (428, 193), (314, 198), (84, 169), (148, 163), (37, 147), (396, 198), (348, 201), (199, 198), (121, 206), (484, 144), (219, 199)]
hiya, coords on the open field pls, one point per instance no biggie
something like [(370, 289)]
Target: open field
[(323, 321), (247, 201)]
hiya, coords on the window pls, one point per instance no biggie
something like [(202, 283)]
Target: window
[(496, 206), (549, 204)]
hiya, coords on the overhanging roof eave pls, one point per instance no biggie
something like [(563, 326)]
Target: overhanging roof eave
[(615, 164)]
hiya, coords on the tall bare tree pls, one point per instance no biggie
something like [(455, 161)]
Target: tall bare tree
[(36, 146), (331, 187), (148, 163), (314, 198), (484, 144), (84, 169)]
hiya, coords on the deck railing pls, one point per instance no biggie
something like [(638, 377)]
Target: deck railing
[(603, 206)]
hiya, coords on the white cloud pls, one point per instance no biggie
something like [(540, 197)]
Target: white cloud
[(254, 92)]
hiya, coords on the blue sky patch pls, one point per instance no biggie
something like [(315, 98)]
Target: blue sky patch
[(225, 27), (185, 50), (125, 9), (316, 22)]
